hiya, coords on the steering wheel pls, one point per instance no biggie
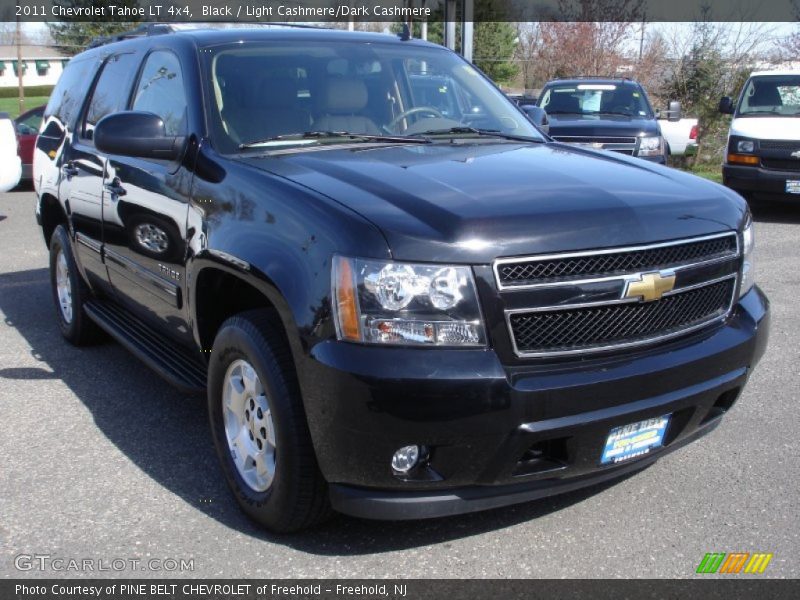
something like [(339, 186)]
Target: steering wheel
[(413, 111)]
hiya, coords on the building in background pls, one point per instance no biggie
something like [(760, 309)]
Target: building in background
[(41, 65)]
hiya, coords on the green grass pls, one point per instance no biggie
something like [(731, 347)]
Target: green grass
[(707, 172), (11, 105)]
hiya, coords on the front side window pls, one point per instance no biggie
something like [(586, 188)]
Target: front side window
[(771, 95), (111, 91), (595, 99), (161, 91), (265, 91)]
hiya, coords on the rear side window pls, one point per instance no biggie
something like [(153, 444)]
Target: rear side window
[(111, 92), (161, 91), (67, 97)]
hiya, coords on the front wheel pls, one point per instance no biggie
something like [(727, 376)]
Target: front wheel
[(259, 426)]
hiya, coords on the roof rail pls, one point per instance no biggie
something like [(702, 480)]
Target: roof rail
[(141, 31)]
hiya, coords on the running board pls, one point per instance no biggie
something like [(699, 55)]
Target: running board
[(158, 352)]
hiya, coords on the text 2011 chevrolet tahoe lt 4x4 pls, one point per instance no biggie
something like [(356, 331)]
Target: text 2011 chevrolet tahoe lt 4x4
[(397, 312)]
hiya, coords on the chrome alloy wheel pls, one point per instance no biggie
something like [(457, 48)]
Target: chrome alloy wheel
[(151, 237), (63, 286), (248, 425)]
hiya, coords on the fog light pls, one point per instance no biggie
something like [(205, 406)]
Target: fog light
[(405, 459)]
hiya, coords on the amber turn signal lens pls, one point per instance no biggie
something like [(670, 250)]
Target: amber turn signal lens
[(346, 306), (742, 159)]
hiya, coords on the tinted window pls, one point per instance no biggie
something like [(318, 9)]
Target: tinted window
[(161, 91), (111, 92), (68, 95)]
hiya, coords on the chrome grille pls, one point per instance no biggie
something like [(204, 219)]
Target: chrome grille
[(581, 302), (603, 263), (593, 328)]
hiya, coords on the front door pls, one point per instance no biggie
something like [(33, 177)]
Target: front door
[(145, 206)]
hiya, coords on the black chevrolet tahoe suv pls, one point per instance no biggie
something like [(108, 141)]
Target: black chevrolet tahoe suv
[(395, 313), (605, 114)]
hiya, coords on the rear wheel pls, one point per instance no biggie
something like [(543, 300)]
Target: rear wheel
[(70, 292), (259, 426)]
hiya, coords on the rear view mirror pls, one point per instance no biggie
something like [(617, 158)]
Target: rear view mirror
[(726, 105), (140, 134)]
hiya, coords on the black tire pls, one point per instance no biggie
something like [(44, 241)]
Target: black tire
[(297, 498), (78, 330)]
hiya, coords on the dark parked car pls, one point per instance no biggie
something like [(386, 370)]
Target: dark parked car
[(396, 310), (27, 125), (605, 114)]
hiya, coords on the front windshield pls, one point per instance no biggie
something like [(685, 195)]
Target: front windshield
[(595, 99), (264, 91), (771, 95)]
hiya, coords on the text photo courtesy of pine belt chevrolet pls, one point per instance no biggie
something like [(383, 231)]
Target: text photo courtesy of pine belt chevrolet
[(398, 307)]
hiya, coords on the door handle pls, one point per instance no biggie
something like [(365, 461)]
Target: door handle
[(115, 188), (70, 170)]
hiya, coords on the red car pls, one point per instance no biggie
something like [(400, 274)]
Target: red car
[(27, 125)]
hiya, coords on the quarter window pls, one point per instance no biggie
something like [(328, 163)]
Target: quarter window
[(161, 91)]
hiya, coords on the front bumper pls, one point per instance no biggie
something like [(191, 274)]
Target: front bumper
[(759, 183), (499, 434)]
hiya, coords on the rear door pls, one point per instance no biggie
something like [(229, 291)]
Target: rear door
[(81, 182), (145, 206)]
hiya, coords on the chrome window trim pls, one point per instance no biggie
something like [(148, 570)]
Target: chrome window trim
[(641, 342), (567, 282)]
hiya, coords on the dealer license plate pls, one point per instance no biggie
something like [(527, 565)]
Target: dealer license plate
[(634, 440), (793, 186)]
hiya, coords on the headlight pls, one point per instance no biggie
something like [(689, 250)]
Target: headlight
[(385, 302), (651, 146), (746, 146), (748, 245)]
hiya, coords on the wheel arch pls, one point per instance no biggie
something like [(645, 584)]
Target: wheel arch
[(52, 214)]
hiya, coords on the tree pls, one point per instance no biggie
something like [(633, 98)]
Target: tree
[(494, 44), (73, 35)]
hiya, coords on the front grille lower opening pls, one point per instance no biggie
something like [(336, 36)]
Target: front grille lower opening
[(547, 455)]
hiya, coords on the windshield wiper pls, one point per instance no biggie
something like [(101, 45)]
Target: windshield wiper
[(321, 135), (609, 112), (480, 132)]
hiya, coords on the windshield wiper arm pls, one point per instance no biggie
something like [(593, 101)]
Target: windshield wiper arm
[(481, 132), (312, 135)]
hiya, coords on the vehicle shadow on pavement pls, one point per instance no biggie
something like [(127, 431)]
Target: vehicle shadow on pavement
[(166, 435), (773, 212)]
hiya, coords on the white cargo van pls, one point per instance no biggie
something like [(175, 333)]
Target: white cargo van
[(762, 161)]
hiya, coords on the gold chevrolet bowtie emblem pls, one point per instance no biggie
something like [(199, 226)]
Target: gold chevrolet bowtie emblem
[(650, 286)]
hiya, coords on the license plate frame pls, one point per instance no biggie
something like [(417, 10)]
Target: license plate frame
[(634, 440)]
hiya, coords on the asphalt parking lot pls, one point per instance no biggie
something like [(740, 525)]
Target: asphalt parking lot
[(102, 460)]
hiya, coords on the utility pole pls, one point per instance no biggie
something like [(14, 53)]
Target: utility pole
[(19, 69), (641, 41)]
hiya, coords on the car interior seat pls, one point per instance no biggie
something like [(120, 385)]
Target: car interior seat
[(342, 103)]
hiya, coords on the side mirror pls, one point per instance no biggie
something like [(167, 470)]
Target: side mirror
[(726, 105), (674, 111), (133, 133), (538, 116)]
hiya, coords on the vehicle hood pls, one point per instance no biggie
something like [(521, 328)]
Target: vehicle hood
[(767, 128), (601, 125), (473, 202)]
